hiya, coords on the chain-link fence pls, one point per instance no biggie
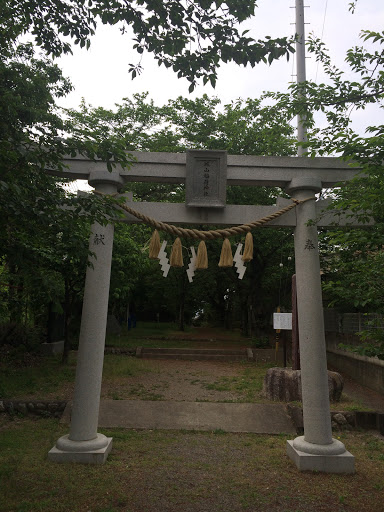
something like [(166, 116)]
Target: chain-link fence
[(347, 325)]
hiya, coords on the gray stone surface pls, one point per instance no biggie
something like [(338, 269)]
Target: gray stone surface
[(284, 384), (242, 169), (206, 178), (367, 371), (90, 355), (343, 463), (340, 418), (83, 457), (54, 409), (53, 348), (177, 213), (205, 416), (314, 377)]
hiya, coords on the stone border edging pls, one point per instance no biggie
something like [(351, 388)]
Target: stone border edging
[(43, 408), (120, 350), (342, 420)]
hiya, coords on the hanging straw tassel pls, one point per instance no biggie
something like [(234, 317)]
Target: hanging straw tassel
[(176, 259), (154, 246), (226, 258), (248, 248), (202, 257)]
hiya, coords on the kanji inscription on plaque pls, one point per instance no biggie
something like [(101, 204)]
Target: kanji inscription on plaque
[(206, 178)]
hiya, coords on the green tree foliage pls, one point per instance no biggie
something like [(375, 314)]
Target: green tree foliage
[(241, 127), (352, 259), (245, 127), (192, 37), (129, 264), (35, 211)]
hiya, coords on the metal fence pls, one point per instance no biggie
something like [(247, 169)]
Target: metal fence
[(351, 323)]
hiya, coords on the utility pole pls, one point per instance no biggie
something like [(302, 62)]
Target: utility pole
[(300, 70), (316, 450)]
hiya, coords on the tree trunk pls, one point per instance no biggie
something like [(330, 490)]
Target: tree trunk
[(182, 295), (15, 296), (67, 319), (181, 314)]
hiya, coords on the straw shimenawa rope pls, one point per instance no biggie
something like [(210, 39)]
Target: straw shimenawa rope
[(207, 235)]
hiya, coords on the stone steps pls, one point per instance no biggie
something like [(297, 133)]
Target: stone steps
[(191, 354)]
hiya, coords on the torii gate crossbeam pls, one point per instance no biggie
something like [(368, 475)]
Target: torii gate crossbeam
[(246, 170)]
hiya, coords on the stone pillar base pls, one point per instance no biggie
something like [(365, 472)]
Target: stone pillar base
[(326, 463), (84, 452)]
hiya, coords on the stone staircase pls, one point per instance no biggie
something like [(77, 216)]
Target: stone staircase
[(195, 354)]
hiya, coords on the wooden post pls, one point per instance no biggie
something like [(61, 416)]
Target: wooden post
[(295, 329)]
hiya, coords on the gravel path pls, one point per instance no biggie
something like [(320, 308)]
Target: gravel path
[(176, 380)]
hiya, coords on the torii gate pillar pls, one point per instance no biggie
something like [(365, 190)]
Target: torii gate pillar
[(316, 450), (84, 444)]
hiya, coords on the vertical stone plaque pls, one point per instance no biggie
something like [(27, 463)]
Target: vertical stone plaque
[(206, 179)]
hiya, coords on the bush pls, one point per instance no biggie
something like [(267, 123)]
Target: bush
[(21, 337), (261, 342)]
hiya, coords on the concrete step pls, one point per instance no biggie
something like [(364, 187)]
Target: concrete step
[(211, 351), (193, 354), (202, 416), (197, 357)]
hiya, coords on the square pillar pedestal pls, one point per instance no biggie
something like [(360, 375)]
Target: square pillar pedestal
[(84, 452), (323, 462)]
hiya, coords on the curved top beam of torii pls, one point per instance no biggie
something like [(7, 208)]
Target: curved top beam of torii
[(247, 170), (242, 170)]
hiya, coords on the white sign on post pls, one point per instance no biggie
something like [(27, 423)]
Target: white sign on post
[(282, 321)]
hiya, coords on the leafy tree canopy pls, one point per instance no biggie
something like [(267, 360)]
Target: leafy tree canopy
[(352, 260), (241, 127), (192, 36)]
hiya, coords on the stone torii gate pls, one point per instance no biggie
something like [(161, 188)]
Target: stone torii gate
[(302, 178)]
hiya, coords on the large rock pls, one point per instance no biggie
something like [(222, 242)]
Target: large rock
[(284, 384)]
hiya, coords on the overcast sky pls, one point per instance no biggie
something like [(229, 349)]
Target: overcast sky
[(100, 75)]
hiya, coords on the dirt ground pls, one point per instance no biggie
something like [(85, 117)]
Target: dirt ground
[(367, 397), (212, 381), (189, 381)]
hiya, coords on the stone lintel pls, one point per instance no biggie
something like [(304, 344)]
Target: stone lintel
[(234, 215), (342, 463), (244, 170)]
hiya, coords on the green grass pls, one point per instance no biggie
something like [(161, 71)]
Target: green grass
[(47, 375), (248, 384), (156, 335), (138, 392), (116, 366), (180, 470), (143, 331), (43, 376)]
